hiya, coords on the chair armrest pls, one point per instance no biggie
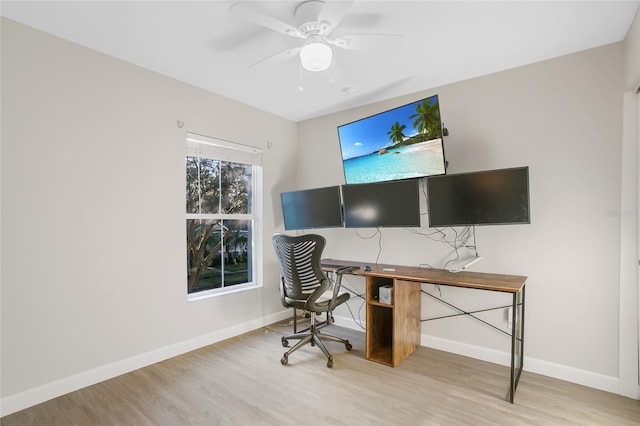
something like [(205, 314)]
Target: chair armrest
[(336, 287)]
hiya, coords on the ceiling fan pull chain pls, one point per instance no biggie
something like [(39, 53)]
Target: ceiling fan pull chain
[(300, 86)]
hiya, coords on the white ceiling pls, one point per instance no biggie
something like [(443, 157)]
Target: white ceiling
[(201, 43)]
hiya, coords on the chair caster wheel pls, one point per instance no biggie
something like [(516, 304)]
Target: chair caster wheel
[(284, 360), (348, 346), (330, 362), (285, 342)]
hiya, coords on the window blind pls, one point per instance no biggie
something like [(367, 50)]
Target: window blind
[(204, 146)]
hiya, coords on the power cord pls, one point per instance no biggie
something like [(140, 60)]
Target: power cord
[(379, 233), (358, 321)]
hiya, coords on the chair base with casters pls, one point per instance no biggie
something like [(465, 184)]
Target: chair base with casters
[(314, 337)]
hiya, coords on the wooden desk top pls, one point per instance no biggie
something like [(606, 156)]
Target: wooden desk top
[(478, 280)]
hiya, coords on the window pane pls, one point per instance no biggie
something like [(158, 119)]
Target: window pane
[(236, 188), (193, 188), (237, 252), (204, 264), (203, 185), (220, 218)]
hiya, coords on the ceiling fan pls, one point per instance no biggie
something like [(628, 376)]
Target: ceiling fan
[(315, 21)]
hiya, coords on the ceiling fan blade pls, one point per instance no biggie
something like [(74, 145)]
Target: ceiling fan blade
[(367, 41), (263, 20), (277, 57), (334, 11)]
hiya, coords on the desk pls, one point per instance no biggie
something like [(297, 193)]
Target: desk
[(393, 330)]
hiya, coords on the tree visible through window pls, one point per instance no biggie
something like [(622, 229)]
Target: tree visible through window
[(220, 223)]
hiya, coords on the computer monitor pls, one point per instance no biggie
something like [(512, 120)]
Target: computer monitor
[(490, 197), (382, 204), (312, 208)]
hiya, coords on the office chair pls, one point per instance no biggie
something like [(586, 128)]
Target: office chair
[(302, 283)]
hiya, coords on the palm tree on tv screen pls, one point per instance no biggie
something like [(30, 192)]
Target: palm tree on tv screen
[(396, 134), (427, 119)]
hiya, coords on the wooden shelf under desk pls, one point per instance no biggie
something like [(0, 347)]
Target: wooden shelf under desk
[(393, 330)]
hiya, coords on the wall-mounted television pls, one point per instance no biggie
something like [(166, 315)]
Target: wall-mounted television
[(491, 197), (384, 204), (401, 143), (312, 208)]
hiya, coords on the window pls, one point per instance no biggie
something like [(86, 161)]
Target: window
[(222, 216)]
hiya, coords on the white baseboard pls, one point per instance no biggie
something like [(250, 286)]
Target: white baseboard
[(573, 375), (484, 354), (533, 365), (347, 322), (31, 397)]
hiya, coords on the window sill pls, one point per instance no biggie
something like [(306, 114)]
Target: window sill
[(220, 292)]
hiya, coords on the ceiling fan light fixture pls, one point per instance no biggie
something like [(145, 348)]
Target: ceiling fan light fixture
[(316, 56)]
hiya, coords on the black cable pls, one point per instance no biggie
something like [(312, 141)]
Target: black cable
[(426, 201), (355, 293), (357, 321), (455, 248), (379, 233), (475, 247), (366, 238), (379, 245)]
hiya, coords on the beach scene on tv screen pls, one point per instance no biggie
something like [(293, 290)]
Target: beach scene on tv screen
[(402, 143)]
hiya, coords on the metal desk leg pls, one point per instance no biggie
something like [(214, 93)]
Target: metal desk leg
[(517, 317), (514, 315), (521, 335)]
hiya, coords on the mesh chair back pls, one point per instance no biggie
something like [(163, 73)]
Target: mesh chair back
[(300, 268)]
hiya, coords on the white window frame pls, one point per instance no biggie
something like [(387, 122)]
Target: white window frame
[(204, 146)]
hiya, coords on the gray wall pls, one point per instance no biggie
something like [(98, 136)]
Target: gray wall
[(93, 216), (632, 55), (562, 118)]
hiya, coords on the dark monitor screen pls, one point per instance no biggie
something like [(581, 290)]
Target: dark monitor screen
[(312, 208), (491, 197), (386, 204)]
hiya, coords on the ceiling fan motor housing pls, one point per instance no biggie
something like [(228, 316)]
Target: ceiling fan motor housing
[(306, 18)]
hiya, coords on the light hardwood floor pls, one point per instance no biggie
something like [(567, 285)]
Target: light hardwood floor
[(241, 382)]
